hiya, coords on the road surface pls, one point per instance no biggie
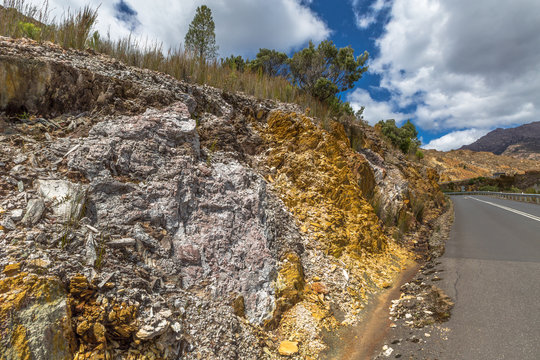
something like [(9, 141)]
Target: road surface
[(491, 269)]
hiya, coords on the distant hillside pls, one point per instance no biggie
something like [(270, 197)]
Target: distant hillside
[(459, 165), (522, 142)]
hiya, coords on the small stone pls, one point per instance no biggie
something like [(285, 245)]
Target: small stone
[(19, 159), (34, 210), (408, 316), (99, 332), (121, 243), (239, 307), (319, 288), (16, 214), (148, 332), (288, 348), (316, 278), (427, 334), (176, 327), (8, 224), (20, 186), (388, 351)]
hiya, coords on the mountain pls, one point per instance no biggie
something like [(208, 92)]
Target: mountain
[(146, 217), (522, 142)]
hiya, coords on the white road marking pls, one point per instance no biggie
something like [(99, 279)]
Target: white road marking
[(508, 209)]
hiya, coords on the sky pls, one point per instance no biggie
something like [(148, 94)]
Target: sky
[(456, 68)]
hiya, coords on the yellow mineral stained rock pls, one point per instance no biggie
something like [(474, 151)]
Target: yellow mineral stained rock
[(34, 318), (289, 287), (317, 175), (288, 348), (12, 269)]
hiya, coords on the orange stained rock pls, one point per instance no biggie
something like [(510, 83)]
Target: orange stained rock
[(288, 348), (99, 324)]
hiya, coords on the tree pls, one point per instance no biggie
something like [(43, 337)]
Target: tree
[(325, 70), (201, 38), (405, 138), (234, 63), (270, 62)]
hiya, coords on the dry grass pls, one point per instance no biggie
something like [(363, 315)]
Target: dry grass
[(18, 19)]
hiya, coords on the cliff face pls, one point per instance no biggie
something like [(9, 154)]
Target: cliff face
[(143, 217), (457, 165), (521, 142)]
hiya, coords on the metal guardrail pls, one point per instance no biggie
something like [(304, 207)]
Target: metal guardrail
[(531, 198)]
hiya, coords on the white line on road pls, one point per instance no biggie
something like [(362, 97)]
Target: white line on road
[(508, 209)]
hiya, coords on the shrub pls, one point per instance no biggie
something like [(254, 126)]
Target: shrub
[(404, 138), (29, 30), (489, 188)]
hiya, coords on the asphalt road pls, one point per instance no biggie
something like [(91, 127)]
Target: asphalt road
[(492, 271)]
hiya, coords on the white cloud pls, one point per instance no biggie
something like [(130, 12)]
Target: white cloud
[(374, 111), (242, 27), (369, 16), (465, 64), (456, 139)]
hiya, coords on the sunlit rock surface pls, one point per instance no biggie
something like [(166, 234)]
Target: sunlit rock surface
[(173, 220)]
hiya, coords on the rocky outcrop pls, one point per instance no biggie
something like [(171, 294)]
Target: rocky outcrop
[(180, 220)]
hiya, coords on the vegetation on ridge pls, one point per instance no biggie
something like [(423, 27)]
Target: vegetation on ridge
[(201, 38), (262, 78)]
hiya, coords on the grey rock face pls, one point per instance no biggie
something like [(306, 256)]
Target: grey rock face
[(149, 168), (34, 211)]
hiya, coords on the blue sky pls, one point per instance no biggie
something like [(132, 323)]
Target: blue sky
[(456, 68)]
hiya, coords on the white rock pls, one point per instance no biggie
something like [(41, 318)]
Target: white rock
[(408, 316), (67, 198), (16, 215), (148, 332), (176, 327), (388, 351)]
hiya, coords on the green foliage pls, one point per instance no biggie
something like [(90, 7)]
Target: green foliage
[(94, 41), (29, 30), (201, 38), (530, 190), (489, 188), (338, 108), (270, 62), (235, 63), (404, 138), (313, 69), (419, 155)]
